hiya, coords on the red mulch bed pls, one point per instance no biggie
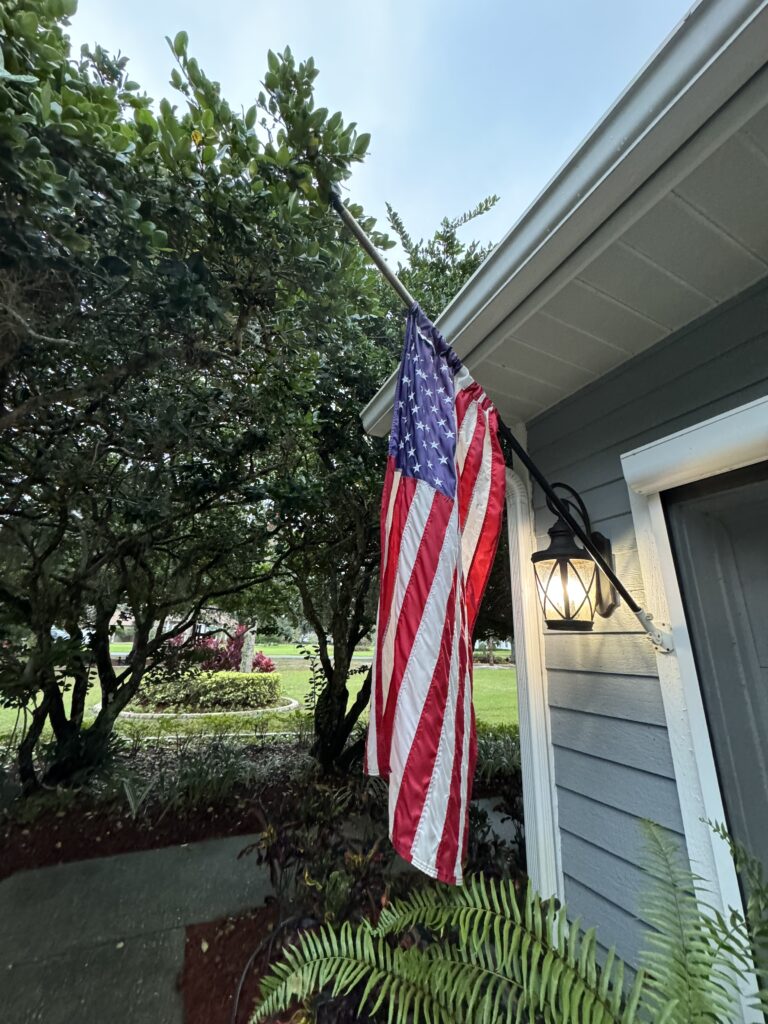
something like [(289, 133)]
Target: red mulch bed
[(215, 955), (80, 834)]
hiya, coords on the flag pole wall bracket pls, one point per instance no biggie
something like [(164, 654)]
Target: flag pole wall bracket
[(661, 640)]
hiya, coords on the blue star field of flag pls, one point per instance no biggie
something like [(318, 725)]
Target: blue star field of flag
[(423, 438)]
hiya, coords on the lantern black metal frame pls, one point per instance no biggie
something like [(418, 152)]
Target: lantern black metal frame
[(512, 447), (563, 549)]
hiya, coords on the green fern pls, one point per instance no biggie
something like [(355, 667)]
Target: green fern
[(494, 956), (694, 957), (500, 962)]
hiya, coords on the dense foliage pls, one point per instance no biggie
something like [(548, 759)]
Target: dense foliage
[(188, 338), (488, 952), (172, 287), (223, 690), (217, 653)]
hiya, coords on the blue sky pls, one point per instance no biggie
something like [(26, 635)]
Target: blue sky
[(462, 99)]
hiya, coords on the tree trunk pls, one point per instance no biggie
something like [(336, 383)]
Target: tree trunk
[(330, 712), (26, 751), (85, 749), (249, 643)]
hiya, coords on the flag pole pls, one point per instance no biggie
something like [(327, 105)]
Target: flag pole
[(376, 258), (657, 637)]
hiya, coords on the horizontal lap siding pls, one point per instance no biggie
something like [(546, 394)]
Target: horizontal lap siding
[(613, 764)]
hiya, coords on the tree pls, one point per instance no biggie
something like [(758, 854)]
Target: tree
[(188, 337), (163, 274)]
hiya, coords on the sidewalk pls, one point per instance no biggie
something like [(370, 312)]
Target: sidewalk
[(103, 940)]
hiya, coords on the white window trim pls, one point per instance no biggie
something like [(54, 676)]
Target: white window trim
[(542, 835), (726, 442)]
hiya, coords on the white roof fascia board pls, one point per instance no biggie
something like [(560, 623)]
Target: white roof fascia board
[(716, 49)]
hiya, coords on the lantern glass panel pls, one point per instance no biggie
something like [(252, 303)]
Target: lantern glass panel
[(568, 591)]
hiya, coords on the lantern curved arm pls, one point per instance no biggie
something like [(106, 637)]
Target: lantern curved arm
[(574, 503)]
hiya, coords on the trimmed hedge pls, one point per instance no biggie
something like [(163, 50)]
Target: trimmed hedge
[(210, 691)]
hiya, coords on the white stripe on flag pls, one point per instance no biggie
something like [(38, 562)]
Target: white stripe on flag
[(429, 832), (418, 513), (371, 741), (464, 439), (478, 505), (420, 669), (465, 783)]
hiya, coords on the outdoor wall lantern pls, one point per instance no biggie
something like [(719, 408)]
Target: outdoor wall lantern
[(571, 588)]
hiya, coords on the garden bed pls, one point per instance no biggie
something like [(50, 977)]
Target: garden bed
[(167, 791), (85, 833), (58, 826), (286, 704), (215, 956)]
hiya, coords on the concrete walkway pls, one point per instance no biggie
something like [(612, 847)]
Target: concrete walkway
[(102, 941)]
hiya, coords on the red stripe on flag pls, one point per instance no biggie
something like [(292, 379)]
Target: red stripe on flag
[(421, 759), (488, 541), (472, 466), (464, 398), (448, 852), (416, 594), (391, 545), (386, 494)]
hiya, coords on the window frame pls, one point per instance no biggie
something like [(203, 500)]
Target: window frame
[(717, 445)]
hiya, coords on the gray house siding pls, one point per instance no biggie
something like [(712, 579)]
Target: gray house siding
[(613, 764)]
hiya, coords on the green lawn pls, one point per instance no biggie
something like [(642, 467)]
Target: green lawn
[(273, 650), (495, 704), (495, 692)]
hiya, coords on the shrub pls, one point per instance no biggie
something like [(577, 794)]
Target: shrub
[(498, 755), (486, 951), (217, 654), (210, 691), (243, 690), (262, 662)]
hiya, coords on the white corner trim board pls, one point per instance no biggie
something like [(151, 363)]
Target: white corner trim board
[(729, 441), (542, 835), (734, 439)]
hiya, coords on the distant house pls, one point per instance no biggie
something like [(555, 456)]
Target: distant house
[(621, 327)]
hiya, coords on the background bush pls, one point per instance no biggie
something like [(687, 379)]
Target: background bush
[(498, 755), (217, 654), (210, 691)]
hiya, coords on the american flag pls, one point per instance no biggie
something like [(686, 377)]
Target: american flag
[(440, 519)]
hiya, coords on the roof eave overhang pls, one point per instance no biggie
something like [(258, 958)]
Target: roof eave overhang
[(708, 58)]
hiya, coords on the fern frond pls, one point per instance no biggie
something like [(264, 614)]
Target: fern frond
[(414, 986), (693, 959), (548, 961)]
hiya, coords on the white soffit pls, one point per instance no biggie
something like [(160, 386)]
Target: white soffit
[(659, 216)]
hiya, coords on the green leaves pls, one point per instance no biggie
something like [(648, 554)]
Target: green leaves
[(26, 23), (361, 144), (491, 955), (489, 959), (180, 43), (193, 339)]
